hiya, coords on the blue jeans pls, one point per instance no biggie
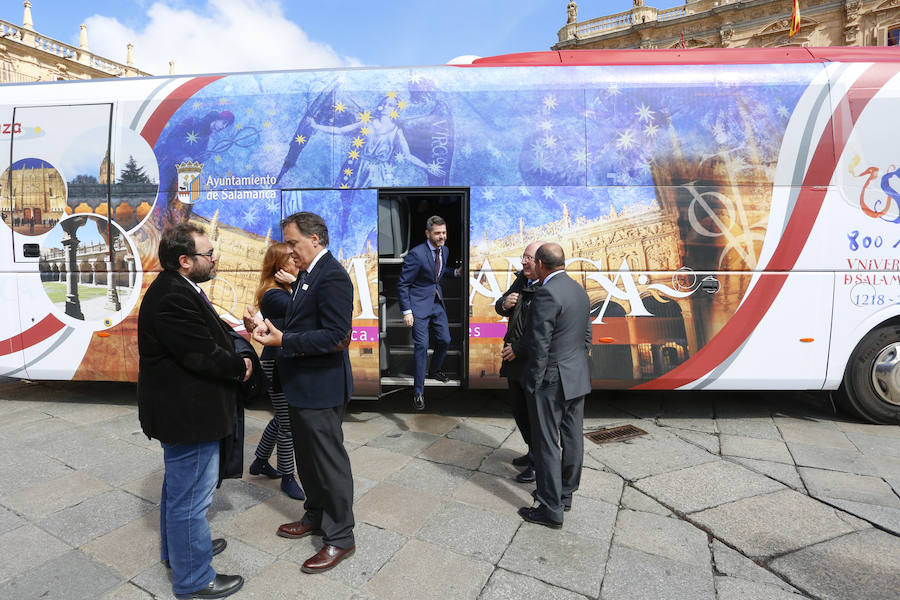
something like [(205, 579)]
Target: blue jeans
[(192, 471)]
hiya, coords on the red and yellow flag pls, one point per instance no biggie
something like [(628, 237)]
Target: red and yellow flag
[(795, 19)]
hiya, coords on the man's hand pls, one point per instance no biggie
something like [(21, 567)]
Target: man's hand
[(267, 334), (510, 301), (343, 344), (250, 321), (408, 319), (507, 353), (249, 364)]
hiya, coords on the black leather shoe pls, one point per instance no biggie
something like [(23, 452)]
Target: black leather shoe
[(220, 587), (261, 467), (218, 545), (419, 401), (522, 461), (539, 516), (440, 376), (526, 476)]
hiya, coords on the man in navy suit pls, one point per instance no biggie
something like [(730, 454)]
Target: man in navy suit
[(314, 372), (422, 303)]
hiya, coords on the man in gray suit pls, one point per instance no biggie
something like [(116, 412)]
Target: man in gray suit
[(556, 379)]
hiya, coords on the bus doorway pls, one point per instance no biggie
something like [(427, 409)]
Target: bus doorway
[(401, 226)]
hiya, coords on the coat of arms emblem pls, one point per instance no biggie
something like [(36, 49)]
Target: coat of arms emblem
[(189, 181)]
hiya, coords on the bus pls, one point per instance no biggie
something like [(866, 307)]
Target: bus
[(734, 214)]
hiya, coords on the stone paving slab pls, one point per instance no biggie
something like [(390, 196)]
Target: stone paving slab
[(560, 558), (814, 433), (375, 547), (71, 576), (735, 565), (434, 478), (747, 447), (130, 549), (639, 501), (822, 571), (847, 486), (95, 516), (883, 517), (46, 498), (756, 427), (505, 585), (600, 485), (590, 517), (494, 493), (634, 575), (26, 547), (30, 467), (431, 423), (786, 474), (732, 588), (649, 455), (404, 442), (704, 486), (707, 441), (424, 571), (663, 536), (479, 433), (395, 507), (471, 531), (127, 591), (9, 520), (376, 463), (283, 580), (833, 459), (456, 452), (764, 526), (499, 462)]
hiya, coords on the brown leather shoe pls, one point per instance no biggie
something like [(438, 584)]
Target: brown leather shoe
[(327, 558), (297, 529)]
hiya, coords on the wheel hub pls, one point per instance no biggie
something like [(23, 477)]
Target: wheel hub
[(886, 374)]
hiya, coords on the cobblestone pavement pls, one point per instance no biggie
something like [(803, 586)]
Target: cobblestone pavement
[(729, 496)]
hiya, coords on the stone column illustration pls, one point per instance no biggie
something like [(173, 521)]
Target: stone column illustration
[(70, 243)]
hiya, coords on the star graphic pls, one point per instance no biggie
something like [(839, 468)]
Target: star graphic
[(644, 113), (548, 192), (344, 186), (524, 191), (358, 142), (38, 129), (266, 124), (340, 107), (223, 101), (550, 102), (365, 131), (392, 94), (401, 105), (549, 141), (580, 157), (238, 127), (249, 215), (651, 130), (348, 172), (191, 138), (198, 104), (365, 117), (300, 140), (546, 125), (393, 114), (272, 206), (718, 132), (354, 154), (626, 140), (217, 158), (489, 194), (614, 89), (249, 111), (415, 78), (783, 111)]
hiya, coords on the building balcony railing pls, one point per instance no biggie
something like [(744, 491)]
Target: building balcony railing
[(669, 14), (7, 76), (64, 51), (603, 24), (619, 21)]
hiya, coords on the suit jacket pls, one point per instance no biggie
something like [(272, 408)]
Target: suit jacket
[(560, 338), (418, 284), (314, 364), (191, 365), (517, 327)]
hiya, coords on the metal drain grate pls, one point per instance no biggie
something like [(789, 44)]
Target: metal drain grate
[(614, 434)]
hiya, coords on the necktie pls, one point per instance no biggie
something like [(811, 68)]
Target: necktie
[(437, 263), (205, 297), (300, 281)]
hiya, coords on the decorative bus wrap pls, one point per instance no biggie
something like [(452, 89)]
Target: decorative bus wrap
[(733, 215)]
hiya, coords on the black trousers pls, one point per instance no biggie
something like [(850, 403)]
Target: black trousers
[(518, 405), (324, 469), (557, 446)]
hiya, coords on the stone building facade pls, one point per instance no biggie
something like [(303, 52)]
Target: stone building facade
[(26, 56), (734, 24)]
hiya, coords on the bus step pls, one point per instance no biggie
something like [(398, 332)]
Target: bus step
[(408, 381)]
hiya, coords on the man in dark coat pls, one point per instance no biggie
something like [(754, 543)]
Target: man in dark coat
[(191, 369), (557, 378), (315, 375), (515, 304)]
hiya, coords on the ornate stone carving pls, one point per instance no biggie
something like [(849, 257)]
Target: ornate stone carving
[(572, 12), (726, 33)]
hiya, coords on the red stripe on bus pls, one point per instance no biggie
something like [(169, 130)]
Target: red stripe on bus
[(802, 219), (157, 121), (37, 333)]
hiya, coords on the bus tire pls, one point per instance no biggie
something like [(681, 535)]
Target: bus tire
[(871, 386)]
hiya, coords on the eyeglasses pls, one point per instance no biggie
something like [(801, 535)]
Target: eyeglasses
[(208, 254), (527, 258)]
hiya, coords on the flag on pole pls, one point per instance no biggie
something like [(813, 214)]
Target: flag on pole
[(682, 39), (795, 19)]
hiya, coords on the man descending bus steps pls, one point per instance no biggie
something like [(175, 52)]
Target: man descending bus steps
[(556, 380), (191, 368), (422, 303), (515, 304)]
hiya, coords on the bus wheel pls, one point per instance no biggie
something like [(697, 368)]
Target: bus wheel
[(871, 386)]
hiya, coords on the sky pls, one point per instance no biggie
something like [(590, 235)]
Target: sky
[(240, 35)]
